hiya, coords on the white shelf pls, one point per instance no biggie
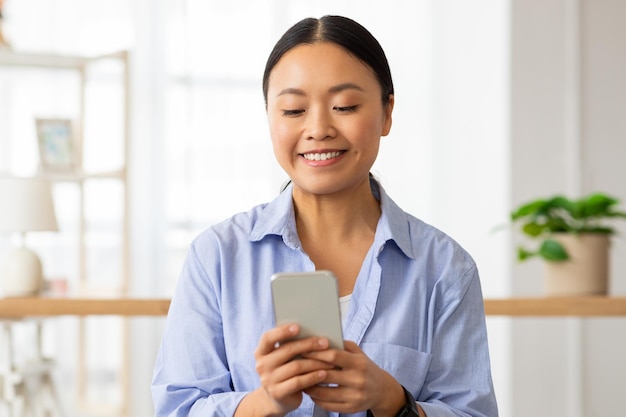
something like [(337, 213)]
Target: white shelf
[(10, 57), (119, 174)]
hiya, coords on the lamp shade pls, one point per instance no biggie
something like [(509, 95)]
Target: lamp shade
[(26, 205)]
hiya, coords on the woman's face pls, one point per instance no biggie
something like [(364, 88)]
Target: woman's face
[(326, 117)]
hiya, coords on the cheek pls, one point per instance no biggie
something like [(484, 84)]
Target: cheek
[(369, 130), (281, 137), (280, 131)]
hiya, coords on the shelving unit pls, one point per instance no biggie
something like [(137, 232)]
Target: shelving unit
[(83, 177), (80, 64)]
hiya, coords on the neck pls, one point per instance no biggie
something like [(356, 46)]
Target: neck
[(337, 217)]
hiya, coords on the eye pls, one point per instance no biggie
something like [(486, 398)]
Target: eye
[(345, 109), (292, 113)]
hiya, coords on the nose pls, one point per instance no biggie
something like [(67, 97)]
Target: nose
[(319, 125)]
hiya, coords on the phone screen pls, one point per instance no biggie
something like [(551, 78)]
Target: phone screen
[(310, 299)]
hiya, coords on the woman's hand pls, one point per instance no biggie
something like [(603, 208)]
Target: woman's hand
[(356, 384), (285, 371)]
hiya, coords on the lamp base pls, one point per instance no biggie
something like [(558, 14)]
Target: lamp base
[(21, 274)]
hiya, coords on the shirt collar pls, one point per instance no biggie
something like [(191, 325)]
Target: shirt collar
[(393, 224), (277, 218)]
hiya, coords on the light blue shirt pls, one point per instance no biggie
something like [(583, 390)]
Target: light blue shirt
[(416, 311)]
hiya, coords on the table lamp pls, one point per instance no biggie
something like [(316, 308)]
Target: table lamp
[(25, 206)]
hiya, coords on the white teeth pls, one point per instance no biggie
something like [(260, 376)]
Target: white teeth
[(321, 156)]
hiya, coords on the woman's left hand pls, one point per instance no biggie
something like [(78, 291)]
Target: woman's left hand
[(357, 384)]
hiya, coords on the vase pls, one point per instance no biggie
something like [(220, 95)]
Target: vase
[(586, 272)]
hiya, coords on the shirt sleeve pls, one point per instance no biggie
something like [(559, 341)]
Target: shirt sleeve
[(459, 379), (191, 375)]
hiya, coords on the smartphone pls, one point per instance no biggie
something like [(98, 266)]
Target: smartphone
[(310, 299)]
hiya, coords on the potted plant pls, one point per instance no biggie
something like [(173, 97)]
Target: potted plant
[(573, 239)]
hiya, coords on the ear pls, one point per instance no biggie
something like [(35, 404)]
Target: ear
[(387, 111)]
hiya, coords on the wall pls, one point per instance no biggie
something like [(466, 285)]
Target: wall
[(468, 160), (568, 135)]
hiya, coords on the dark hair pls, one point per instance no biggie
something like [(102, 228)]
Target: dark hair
[(342, 31)]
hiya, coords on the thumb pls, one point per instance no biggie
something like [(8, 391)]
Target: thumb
[(350, 346)]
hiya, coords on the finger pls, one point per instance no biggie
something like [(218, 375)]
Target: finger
[(350, 346), (343, 358), (298, 367), (300, 347), (331, 398), (295, 384), (286, 381), (272, 337), (337, 398), (287, 352), (338, 358), (284, 385)]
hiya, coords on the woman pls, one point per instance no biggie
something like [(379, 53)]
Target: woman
[(414, 323)]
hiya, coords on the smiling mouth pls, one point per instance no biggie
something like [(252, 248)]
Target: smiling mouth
[(321, 156)]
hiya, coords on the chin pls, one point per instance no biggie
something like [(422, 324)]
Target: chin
[(321, 187)]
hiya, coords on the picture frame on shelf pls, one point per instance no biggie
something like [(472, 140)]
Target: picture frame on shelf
[(57, 146)]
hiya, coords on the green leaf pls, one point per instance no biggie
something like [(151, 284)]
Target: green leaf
[(597, 205), (563, 203), (523, 254), (527, 209), (533, 229), (557, 224), (552, 250)]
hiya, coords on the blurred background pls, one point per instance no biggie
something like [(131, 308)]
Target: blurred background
[(497, 102)]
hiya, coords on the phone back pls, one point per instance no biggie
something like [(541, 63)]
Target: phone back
[(310, 299)]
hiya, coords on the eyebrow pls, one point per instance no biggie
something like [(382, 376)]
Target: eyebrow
[(344, 86), (333, 89)]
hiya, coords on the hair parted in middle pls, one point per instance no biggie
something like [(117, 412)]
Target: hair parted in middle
[(343, 31)]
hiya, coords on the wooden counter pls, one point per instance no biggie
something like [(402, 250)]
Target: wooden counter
[(515, 307), (59, 306), (557, 306)]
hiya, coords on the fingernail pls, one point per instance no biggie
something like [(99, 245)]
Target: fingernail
[(293, 329), (323, 342)]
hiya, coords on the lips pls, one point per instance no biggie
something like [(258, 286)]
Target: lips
[(321, 156)]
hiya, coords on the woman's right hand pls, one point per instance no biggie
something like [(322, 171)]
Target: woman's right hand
[(283, 378)]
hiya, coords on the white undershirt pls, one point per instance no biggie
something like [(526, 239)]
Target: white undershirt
[(344, 305)]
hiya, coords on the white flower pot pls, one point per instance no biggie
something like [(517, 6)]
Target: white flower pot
[(587, 270)]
